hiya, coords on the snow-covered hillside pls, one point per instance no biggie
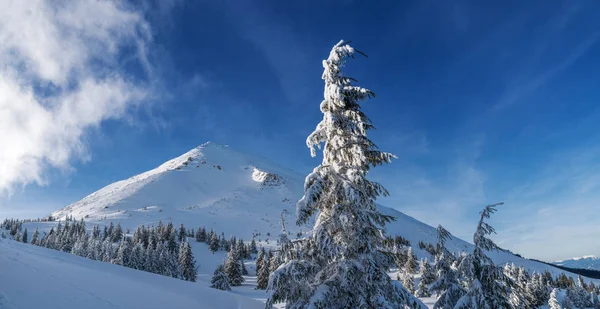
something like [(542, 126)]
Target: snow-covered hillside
[(584, 262), (218, 187), (34, 277), (211, 185)]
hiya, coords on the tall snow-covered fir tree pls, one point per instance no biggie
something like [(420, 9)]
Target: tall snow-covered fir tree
[(34, 238), (187, 262), (485, 280), (427, 278), (408, 281), (446, 286), (214, 243), (553, 303), (342, 264), (262, 270), (410, 266), (233, 269)]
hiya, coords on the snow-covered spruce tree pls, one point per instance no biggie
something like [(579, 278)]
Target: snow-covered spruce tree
[(34, 237), (345, 266), (124, 253), (410, 266), (446, 285), (260, 257), (214, 243), (182, 234), (24, 238), (200, 237), (536, 292), (485, 280), (253, 249), (553, 303), (233, 269), (579, 295), (187, 262), (262, 266), (517, 280), (117, 234), (408, 281), (427, 278), (220, 280)]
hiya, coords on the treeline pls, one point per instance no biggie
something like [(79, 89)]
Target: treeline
[(472, 280), (162, 249), (159, 250), (590, 273)]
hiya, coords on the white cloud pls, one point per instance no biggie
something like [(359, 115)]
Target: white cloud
[(60, 76)]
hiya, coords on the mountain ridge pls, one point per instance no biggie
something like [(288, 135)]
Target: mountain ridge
[(246, 196)]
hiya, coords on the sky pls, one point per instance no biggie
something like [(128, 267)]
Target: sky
[(482, 101)]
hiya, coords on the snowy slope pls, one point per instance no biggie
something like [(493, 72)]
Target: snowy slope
[(218, 187), (211, 185), (32, 277), (585, 262)]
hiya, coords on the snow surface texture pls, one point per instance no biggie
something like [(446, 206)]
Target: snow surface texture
[(32, 277), (220, 188), (584, 262)]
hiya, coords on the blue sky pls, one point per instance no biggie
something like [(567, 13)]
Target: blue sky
[(481, 101)]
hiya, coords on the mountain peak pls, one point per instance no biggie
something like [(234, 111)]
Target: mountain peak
[(211, 144)]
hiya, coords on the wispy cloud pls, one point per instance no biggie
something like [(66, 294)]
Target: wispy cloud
[(60, 76), (535, 82)]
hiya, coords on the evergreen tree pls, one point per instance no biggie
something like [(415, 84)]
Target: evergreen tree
[(408, 281), (223, 243), (233, 269), (220, 280), (446, 285), (182, 234), (485, 280), (536, 292), (124, 253), (241, 250), (274, 261), (259, 259), (214, 243), (186, 262), (411, 262), (80, 248), (34, 238), (24, 238), (427, 278), (117, 233), (209, 237), (171, 242), (138, 257), (579, 295), (200, 235), (345, 266), (253, 249), (553, 302), (262, 270), (104, 234)]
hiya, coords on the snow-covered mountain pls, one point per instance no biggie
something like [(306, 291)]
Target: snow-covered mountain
[(220, 188), (584, 262)]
